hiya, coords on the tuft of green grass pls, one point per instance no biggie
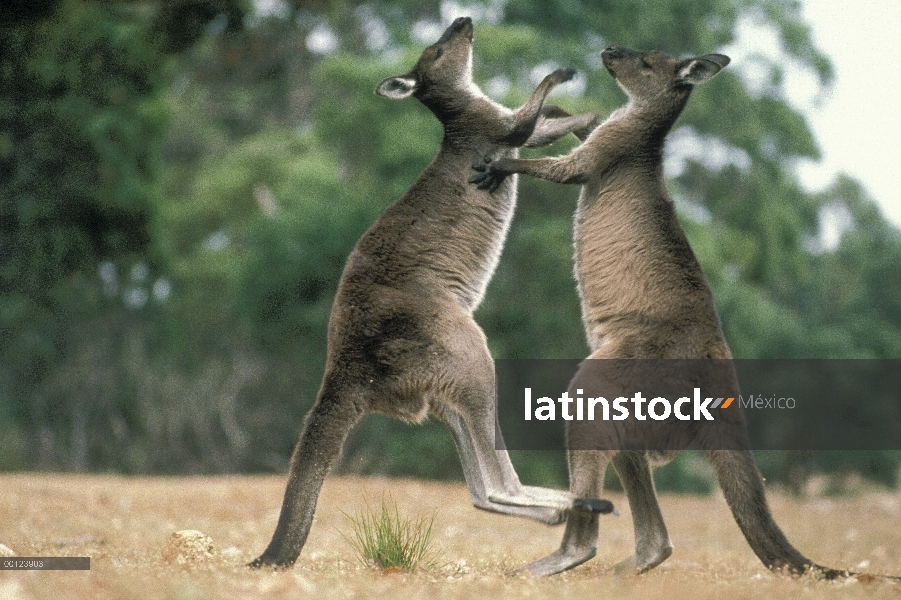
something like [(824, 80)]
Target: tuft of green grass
[(385, 540)]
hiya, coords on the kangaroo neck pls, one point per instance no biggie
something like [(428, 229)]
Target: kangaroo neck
[(628, 150), (648, 121), (452, 107), (472, 123)]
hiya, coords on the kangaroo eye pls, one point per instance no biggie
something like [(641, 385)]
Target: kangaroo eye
[(438, 52), (644, 64)]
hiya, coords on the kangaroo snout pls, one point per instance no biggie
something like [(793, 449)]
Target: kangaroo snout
[(612, 52), (460, 25), (612, 55), (460, 22)]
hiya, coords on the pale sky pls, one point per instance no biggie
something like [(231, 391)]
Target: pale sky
[(858, 122)]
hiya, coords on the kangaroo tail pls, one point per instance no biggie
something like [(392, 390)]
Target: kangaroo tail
[(742, 486)]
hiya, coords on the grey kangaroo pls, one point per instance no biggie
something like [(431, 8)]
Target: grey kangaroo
[(401, 338), (644, 296)]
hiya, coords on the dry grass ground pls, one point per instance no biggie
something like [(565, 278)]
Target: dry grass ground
[(125, 525)]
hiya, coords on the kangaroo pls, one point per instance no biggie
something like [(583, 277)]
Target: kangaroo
[(401, 337), (644, 296)]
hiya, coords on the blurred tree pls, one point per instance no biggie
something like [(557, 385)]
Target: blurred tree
[(82, 117), (182, 182), (749, 219), (80, 121)]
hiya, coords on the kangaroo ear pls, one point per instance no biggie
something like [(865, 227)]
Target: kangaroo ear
[(397, 88), (696, 71)]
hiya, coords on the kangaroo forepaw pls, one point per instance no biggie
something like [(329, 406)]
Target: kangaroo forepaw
[(489, 178), (482, 166), (481, 178), (564, 74)]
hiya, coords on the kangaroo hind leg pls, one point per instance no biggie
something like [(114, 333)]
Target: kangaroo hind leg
[(652, 542), (326, 426), (467, 406), (580, 540)]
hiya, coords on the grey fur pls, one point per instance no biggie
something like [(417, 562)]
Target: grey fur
[(402, 339), (644, 296)]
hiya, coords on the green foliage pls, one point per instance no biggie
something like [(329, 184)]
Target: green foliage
[(181, 183), (80, 123), (689, 473), (380, 444), (385, 540)]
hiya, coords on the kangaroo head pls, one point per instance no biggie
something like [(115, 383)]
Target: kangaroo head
[(654, 76), (443, 73)]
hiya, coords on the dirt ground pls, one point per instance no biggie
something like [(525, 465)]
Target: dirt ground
[(125, 524)]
